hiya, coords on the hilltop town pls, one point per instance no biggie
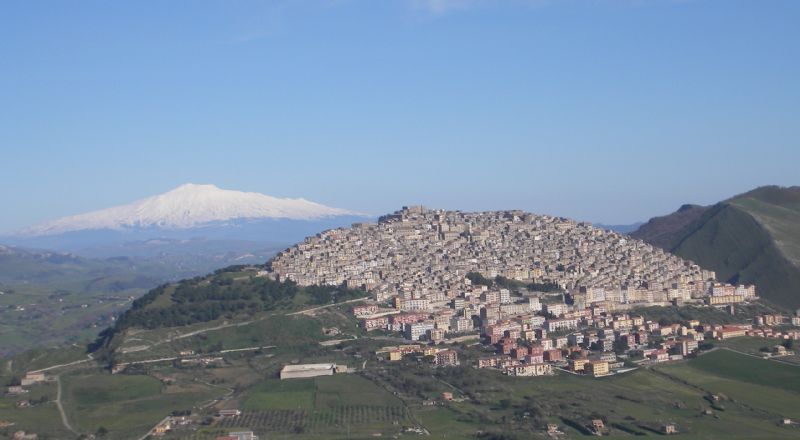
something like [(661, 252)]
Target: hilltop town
[(420, 258), (545, 291)]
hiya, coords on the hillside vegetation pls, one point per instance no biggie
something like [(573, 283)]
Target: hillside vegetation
[(753, 238), (235, 292)]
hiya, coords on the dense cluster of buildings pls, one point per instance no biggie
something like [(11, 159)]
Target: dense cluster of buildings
[(416, 264), (421, 257), (443, 357)]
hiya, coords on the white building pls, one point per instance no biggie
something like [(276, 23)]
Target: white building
[(418, 330)]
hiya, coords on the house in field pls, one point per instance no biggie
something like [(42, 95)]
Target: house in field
[(14, 390), (669, 429), (33, 378), (163, 427), (309, 370), (225, 413)]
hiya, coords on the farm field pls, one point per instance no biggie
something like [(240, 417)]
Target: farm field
[(741, 368), (637, 403), (746, 381), (748, 344), (340, 406), (42, 416), (386, 398), (126, 405)]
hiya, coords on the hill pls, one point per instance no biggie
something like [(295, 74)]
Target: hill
[(52, 298), (752, 238), (237, 293), (663, 231)]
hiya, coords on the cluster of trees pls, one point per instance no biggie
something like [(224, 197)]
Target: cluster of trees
[(184, 314), (208, 298), (511, 284), (331, 294)]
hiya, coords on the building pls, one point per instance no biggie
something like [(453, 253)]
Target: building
[(688, 346), (731, 332), (32, 378), (597, 368), (376, 323), (554, 355), (659, 356), (446, 358), (578, 365), (530, 370), (163, 427), (554, 325), (241, 435), (15, 390), (418, 330), (307, 370), (229, 413), (362, 311)]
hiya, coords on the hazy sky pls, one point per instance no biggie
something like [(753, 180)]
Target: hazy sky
[(602, 110)]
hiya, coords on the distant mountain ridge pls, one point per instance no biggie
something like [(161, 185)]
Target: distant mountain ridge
[(189, 206), (188, 220), (751, 238)]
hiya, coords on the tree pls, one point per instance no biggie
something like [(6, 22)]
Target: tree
[(101, 431), (706, 345), (478, 279)]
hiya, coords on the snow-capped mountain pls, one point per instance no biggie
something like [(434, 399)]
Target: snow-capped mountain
[(190, 206)]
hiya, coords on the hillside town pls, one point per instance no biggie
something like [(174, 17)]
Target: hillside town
[(545, 292), (419, 258)]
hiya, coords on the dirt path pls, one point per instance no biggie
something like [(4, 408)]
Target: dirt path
[(773, 358), (60, 407), (313, 309), (89, 358)]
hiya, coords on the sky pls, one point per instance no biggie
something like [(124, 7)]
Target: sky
[(610, 111)]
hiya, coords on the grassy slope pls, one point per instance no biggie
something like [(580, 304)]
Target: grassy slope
[(125, 405), (732, 239)]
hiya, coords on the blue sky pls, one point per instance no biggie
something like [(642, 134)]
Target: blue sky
[(603, 110)]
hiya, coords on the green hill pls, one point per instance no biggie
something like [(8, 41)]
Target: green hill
[(235, 293), (752, 238)]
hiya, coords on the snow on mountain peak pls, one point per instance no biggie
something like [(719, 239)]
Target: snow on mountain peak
[(190, 205)]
